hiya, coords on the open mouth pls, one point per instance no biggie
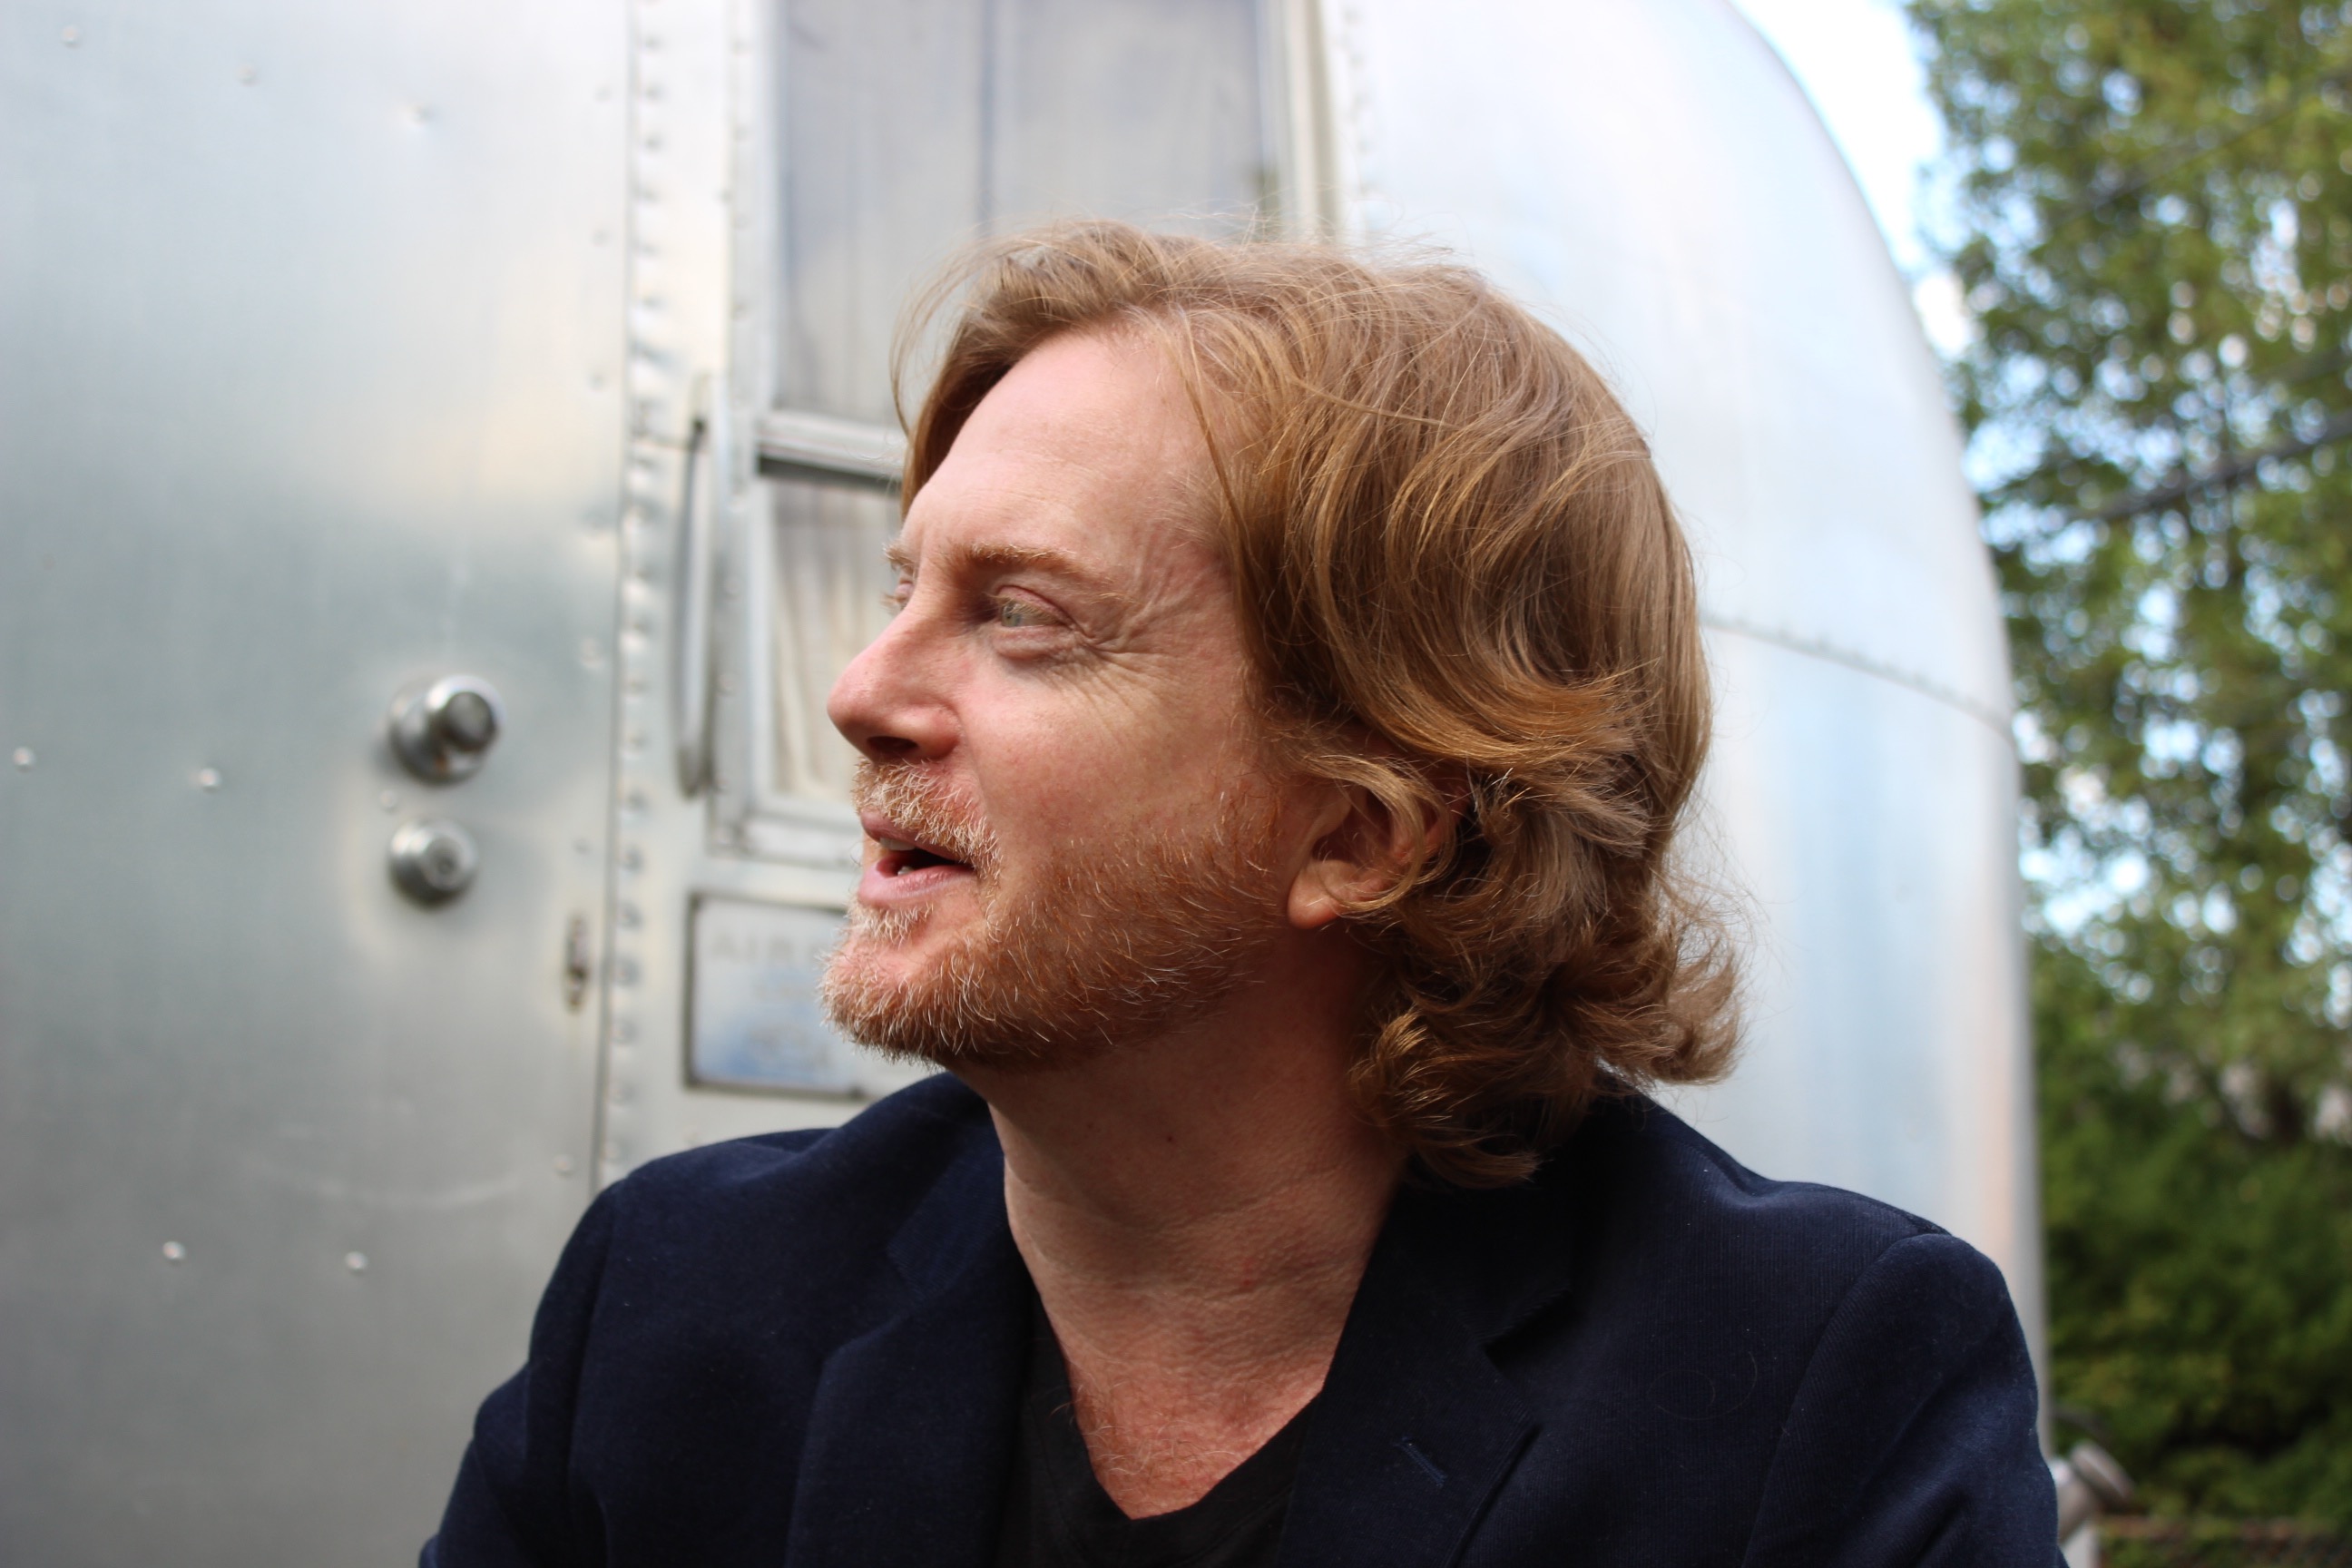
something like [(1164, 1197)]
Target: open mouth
[(903, 856)]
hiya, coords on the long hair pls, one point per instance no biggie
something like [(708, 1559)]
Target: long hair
[(1465, 593)]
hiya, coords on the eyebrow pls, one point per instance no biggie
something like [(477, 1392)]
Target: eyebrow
[(993, 557)]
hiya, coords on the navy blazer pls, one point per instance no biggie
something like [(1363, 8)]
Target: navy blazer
[(806, 1350)]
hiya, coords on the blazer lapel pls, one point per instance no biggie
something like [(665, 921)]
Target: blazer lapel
[(1416, 1428), (911, 1426), (911, 1429)]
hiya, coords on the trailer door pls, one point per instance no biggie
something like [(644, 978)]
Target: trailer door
[(801, 168)]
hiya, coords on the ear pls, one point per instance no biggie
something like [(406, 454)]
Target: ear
[(1360, 849)]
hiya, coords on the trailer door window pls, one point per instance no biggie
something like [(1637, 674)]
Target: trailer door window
[(914, 126), (909, 129)]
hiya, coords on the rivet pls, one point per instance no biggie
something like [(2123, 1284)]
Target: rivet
[(208, 779), (355, 1261), (246, 74), (592, 652), (584, 846), (389, 800), (174, 1253), (71, 37), (564, 1164), (23, 757), (596, 380)]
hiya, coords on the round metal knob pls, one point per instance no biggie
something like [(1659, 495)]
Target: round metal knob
[(443, 728), (432, 859)]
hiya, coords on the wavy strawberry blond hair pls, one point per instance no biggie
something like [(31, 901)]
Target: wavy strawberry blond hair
[(1466, 596)]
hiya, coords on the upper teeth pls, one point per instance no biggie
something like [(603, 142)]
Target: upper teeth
[(892, 846)]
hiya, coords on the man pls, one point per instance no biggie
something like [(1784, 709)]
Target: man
[(1270, 774)]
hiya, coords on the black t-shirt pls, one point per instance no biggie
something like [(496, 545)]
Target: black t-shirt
[(1057, 1515)]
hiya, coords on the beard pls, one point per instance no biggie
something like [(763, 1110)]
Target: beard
[(1094, 949)]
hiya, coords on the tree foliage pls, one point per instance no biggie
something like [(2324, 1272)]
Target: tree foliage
[(2153, 235)]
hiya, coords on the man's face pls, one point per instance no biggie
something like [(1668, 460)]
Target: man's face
[(1073, 838)]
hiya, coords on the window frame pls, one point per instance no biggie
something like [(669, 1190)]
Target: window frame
[(752, 814)]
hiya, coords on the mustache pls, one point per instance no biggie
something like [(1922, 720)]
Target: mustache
[(926, 807)]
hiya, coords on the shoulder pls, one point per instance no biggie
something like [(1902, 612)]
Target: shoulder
[(1670, 1218), (1671, 1261), (1648, 1165), (1720, 1358), (1831, 1277), (819, 1209), (1661, 1211), (680, 1347)]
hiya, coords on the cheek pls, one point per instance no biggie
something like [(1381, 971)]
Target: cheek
[(1084, 764)]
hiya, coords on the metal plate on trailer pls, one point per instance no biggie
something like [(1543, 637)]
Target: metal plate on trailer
[(753, 1019)]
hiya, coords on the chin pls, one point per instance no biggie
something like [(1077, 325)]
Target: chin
[(939, 1001)]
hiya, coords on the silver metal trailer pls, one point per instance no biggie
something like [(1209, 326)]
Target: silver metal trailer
[(348, 349)]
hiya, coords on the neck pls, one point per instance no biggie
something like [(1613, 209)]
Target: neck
[(1196, 1212)]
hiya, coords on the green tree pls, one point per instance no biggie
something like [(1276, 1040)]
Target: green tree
[(2154, 234)]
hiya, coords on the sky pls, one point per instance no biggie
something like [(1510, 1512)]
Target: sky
[(1858, 62)]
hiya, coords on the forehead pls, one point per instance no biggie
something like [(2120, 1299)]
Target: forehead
[(1088, 448)]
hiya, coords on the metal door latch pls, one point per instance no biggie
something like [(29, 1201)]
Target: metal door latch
[(442, 730), (432, 859), (579, 963)]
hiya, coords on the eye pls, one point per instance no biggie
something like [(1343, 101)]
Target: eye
[(1019, 615), (896, 599)]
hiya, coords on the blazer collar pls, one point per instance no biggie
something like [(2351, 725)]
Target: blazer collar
[(909, 1434), (909, 1441), (1417, 1428)]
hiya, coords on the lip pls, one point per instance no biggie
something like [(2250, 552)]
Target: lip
[(903, 867)]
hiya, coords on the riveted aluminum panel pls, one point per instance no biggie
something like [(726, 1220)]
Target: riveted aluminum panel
[(309, 364)]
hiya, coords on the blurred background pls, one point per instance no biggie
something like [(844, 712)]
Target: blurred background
[(2128, 227), (446, 452)]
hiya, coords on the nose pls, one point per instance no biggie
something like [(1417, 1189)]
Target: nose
[(891, 703)]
